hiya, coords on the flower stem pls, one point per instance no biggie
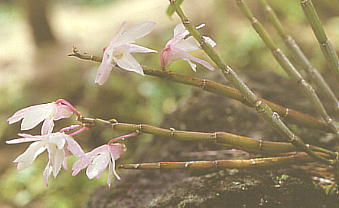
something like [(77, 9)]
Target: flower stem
[(325, 44), (222, 138), (134, 134), (311, 71), (248, 163), (70, 128), (79, 131), (288, 66), (68, 104), (262, 108), (226, 91)]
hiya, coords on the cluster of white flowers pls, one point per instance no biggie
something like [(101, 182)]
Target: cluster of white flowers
[(60, 145)]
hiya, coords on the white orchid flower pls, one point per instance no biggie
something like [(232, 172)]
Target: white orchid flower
[(180, 46), (120, 48), (33, 115), (98, 159), (55, 144)]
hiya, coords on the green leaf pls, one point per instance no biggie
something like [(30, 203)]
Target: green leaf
[(170, 9)]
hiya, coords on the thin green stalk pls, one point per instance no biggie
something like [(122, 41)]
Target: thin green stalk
[(311, 71), (249, 163), (288, 66), (325, 44), (223, 138), (262, 108), (226, 91)]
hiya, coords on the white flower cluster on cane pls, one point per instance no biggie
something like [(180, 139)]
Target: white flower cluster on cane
[(120, 48), (58, 145), (179, 46)]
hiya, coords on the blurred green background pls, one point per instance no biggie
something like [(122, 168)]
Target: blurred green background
[(37, 35)]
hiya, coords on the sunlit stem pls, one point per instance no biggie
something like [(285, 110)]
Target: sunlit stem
[(248, 163), (68, 104), (225, 91), (287, 66), (134, 134), (262, 108), (298, 54), (319, 32), (222, 138), (79, 131)]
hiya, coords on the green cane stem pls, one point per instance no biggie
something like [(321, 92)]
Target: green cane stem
[(288, 66), (222, 138), (325, 44), (249, 163), (290, 115), (311, 71), (262, 108)]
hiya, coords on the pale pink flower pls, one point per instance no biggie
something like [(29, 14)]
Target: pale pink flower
[(55, 144), (98, 159), (179, 46), (120, 48), (33, 115)]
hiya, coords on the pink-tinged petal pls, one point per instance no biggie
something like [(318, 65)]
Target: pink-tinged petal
[(17, 116), (36, 115), (116, 149), (105, 68), (57, 160), (47, 172), (80, 164), (62, 111), (110, 173), (134, 33), (58, 139), (117, 36), (193, 66), (74, 147), (26, 138), (47, 126), (132, 48), (129, 63), (114, 172), (188, 45), (197, 60), (179, 28), (32, 152), (98, 164)]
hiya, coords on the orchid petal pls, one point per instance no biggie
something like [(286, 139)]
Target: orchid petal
[(105, 68), (74, 147), (132, 48), (197, 60), (57, 160), (188, 45), (129, 63), (32, 152), (99, 164), (116, 149), (134, 33), (192, 65), (35, 115), (59, 139), (47, 172), (24, 139), (82, 163), (47, 126), (63, 111)]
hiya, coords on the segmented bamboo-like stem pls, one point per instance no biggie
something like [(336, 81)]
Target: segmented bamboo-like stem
[(287, 66), (248, 163), (223, 138), (311, 71), (325, 44), (226, 91), (262, 108)]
